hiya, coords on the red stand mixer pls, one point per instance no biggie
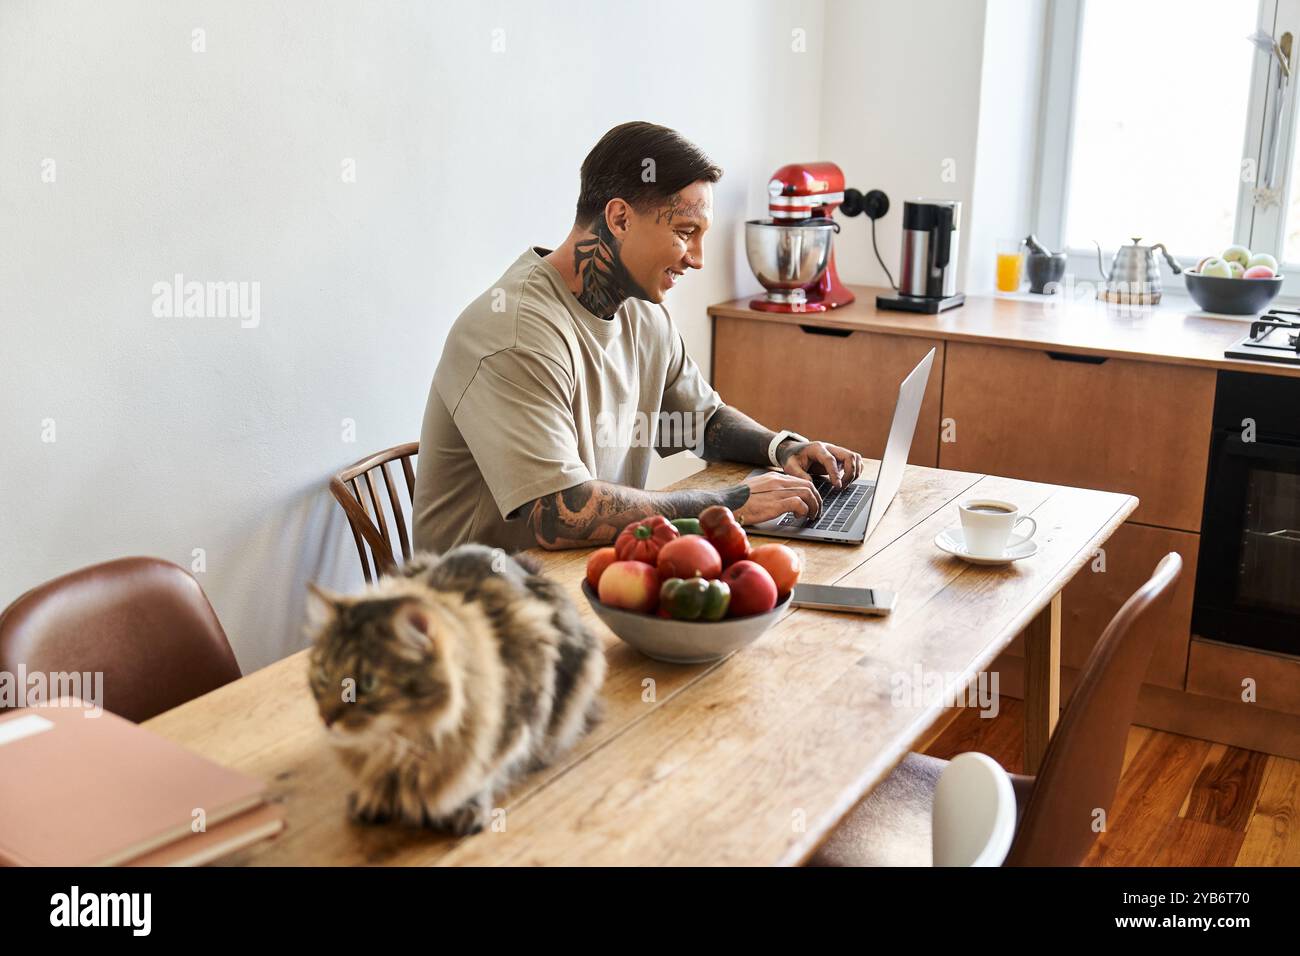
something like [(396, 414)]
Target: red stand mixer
[(791, 254)]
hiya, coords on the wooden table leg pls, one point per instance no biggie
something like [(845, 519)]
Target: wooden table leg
[(1042, 682)]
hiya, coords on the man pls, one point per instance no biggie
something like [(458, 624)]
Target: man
[(531, 431)]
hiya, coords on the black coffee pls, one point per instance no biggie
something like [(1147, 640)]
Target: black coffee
[(989, 510)]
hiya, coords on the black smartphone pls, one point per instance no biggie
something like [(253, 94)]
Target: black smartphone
[(830, 597)]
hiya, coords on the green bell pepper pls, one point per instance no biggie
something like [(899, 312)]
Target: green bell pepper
[(695, 599), (687, 525)]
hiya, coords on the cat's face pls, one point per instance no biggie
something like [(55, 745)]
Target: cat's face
[(377, 664)]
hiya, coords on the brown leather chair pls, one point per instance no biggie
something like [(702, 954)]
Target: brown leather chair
[(143, 622), (1057, 810), (372, 529)]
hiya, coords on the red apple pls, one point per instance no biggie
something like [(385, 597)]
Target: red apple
[(752, 589), (1258, 272), (631, 585)]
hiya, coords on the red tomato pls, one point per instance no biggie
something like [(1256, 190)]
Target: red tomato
[(718, 524), (631, 585), (784, 563), (688, 556), (600, 559), (752, 589)]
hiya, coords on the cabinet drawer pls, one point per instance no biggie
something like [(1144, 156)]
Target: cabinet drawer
[(1137, 427), (1218, 670), (1092, 598), (833, 385)]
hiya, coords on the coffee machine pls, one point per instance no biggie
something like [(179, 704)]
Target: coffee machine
[(791, 253), (927, 281)]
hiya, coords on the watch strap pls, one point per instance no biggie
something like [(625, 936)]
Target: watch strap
[(776, 443)]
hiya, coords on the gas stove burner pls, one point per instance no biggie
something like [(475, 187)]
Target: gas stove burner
[(1273, 337)]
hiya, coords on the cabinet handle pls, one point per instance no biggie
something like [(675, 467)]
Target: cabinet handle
[(818, 330), (1079, 359)]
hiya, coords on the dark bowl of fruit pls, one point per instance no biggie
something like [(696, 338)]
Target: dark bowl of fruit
[(1234, 283), (691, 590)]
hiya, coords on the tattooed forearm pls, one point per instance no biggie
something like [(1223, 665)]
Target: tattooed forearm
[(605, 280), (594, 512), (731, 435)]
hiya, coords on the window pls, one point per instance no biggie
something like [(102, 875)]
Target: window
[(1164, 119)]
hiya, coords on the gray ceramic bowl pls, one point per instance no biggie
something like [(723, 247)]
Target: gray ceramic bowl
[(683, 642), (1232, 296)]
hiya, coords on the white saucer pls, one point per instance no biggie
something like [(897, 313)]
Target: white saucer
[(952, 541)]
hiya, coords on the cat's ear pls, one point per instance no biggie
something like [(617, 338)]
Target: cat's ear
[(415, 626), (322, 607)]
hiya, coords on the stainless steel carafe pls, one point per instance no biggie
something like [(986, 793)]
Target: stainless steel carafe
[(931, 230)]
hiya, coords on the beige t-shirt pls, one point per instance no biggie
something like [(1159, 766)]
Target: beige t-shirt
[(534, 394)]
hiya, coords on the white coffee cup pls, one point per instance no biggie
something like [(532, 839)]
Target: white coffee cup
[(987, 524)]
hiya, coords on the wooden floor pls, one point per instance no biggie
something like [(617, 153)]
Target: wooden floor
[(1181, 801)]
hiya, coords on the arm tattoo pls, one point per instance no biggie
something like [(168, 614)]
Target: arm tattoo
[(731, 435), (605, 280), (595, 511)]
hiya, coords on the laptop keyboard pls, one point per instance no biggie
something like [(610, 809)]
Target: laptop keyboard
[(838, 505)]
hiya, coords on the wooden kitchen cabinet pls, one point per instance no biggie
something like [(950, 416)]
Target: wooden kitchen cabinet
[(831, 384), (1091, 599), (1119, 425), (1220, 670)]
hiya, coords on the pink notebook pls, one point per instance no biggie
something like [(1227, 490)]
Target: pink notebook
[(78, 790), (231, 834)]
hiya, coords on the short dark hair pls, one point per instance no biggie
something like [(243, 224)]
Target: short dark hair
[(616, 168)]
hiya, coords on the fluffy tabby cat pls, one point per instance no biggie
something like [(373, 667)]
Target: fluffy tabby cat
[(470, 669)]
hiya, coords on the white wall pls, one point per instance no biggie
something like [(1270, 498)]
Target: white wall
[(177, 434), (900, 113), (1006, 151)]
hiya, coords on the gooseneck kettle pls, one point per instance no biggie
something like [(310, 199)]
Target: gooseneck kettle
[(1134, 276)]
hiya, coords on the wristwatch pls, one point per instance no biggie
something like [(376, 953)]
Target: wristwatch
[(776, 443)]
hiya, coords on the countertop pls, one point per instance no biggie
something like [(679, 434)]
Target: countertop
[(1168, 333)]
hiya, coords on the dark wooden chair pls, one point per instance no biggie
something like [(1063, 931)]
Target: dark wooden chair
[(369, 521), (1058, 809), (143, 623)]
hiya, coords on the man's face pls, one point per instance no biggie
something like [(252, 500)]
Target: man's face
[(666, 239)]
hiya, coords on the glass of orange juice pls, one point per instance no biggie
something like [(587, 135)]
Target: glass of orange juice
[(1011, 264)]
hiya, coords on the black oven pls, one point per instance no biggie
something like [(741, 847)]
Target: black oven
[(1248, 569)]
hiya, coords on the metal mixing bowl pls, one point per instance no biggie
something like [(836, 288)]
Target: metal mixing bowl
[(788, 257)]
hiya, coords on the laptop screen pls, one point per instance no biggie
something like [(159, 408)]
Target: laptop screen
[(894, 461)]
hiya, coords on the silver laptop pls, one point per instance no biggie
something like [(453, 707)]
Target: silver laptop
[(851, 513)]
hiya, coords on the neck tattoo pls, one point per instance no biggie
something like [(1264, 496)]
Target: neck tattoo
[(605, 280)]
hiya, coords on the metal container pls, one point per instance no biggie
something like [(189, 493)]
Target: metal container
[(931, 235), (787, 258), (1134, 276)]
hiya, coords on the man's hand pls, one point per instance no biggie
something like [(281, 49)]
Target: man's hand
[(805, 459), (772, 494)]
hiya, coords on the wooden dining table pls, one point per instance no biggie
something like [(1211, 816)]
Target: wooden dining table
[(748, 760)]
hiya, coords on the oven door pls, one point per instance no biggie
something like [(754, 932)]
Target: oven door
[(1248, 578)]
